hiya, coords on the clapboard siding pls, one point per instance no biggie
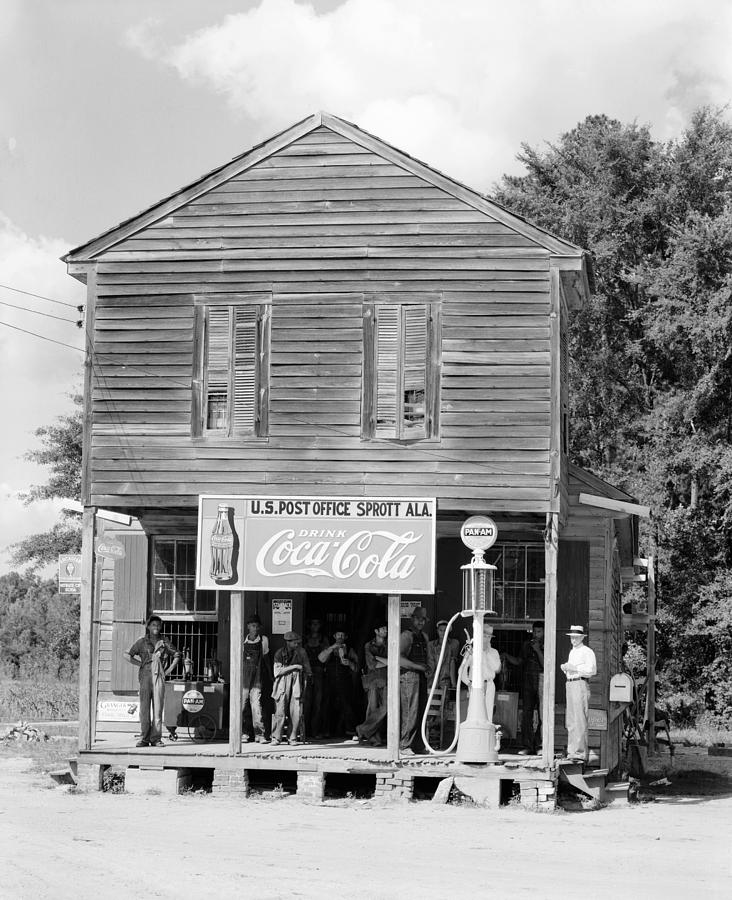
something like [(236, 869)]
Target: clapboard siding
[(322, 226)]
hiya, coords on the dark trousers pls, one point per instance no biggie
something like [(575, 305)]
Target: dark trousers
[(530, 737), (413, 701), (151, 707), (375, 711), (313, 705), (338, 705)]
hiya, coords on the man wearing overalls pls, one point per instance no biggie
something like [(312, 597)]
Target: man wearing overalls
[(256, 663)]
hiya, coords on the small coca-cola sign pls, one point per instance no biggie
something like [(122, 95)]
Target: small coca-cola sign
[(110, 549)]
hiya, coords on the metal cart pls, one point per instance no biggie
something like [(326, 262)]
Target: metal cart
[(196, 705)]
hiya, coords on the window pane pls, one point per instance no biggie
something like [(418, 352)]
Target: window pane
[(186, 559), (164, 558), (513, 602), (535, 568), (514, 568), (535, 603), (216, 417), (162, 594), (494, 556), (414, 407), (206, 601), (184, 595), (498, 600)]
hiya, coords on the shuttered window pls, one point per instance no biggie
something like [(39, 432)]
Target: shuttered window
[(233, 378), (401, 371)]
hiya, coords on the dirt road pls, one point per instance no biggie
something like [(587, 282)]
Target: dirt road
[(57, 844)]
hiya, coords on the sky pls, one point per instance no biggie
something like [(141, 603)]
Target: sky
[(108, 106)]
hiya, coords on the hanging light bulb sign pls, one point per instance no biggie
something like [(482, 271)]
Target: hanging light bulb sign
[(69, 573)]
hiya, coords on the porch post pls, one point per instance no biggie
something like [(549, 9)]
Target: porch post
[(650, 710), (551, 552), (236, 614), (86, 656), (393, 722)]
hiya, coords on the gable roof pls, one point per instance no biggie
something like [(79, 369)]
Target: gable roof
[(558, 247)]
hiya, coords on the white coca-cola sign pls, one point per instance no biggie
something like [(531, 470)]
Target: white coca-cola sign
[(336, 544)]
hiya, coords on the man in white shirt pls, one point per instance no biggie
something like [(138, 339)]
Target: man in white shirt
[(491, 667), (581, 665)]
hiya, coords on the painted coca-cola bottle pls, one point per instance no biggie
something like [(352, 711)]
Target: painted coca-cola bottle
[(222, 547), (187, 664)]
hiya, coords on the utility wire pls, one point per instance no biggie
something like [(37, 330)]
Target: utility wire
[(39, 313), (40, 297), (42, 337)]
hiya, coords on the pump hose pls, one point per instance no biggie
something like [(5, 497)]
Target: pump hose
[(432, 692)]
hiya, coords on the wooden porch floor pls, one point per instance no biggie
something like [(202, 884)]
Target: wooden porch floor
[(332, 756)]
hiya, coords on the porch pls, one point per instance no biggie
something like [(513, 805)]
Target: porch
[(314, 771), (329, 755)]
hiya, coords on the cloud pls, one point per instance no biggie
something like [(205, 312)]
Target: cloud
[(461, 85), (143, 39), (36, 375)]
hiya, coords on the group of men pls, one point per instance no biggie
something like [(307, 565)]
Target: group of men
[(313, 683)]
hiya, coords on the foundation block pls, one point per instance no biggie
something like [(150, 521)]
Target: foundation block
[(88, 776), (230, 783), (311, 786), (157, 781)]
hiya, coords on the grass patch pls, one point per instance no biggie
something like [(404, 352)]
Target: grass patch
[(701, 736), (46, 755), (40, 699)]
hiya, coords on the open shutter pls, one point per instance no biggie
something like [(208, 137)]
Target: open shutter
[(261, 421), (387, 369), (218, 358), (414, 370), (130, 608), (434, 367), (368, 373), (197, 403), (245, 368)]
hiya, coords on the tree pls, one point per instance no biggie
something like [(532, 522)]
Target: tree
[(61, 453), (601, 187), (651, 356), (39, 628)]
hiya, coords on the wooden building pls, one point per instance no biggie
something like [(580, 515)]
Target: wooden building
[(327, 316)]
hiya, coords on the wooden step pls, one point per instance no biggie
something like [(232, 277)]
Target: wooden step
[(617, 792), (592, 782)]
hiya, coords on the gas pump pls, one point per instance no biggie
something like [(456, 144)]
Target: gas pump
[(476, 736)]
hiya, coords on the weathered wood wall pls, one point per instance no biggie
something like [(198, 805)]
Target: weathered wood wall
[(322, 224)]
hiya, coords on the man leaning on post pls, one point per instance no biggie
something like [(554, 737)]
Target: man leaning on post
[(415, 664)]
